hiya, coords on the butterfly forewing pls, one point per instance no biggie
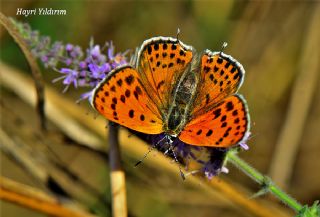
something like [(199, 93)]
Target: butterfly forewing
[(121, 98), (220, 76), (162, 61), (140, 99), (222, 126)]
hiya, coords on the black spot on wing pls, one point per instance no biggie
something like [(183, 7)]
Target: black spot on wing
[(235, 113), (206, 69), (123, 98), (209, 133), (129, 79), (131, 113), (217, 113), (229, 106), (119, 82), (127, 93), (165, 46), (234, 68), (149, 50), (138, 89), (114, 100), (156, 46), (160, 84), (199, 132), (113, 88)]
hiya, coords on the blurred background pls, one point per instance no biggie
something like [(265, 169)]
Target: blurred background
[(277, 42)]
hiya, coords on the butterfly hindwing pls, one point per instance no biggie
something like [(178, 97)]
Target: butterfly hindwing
[(143, 98), (162, 61), (220, 76), (121, 98), (222, 126)]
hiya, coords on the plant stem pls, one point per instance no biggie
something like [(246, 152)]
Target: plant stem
[(263, 180), (118, 181), (35, 70)]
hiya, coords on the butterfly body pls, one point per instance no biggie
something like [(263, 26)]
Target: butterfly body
[(173, 91)]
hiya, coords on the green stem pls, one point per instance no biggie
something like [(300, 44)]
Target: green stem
[(263, 180)]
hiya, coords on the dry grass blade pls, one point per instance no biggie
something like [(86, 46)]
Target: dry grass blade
[(23, 87), (118, 181), (301, 98), (37, 200)]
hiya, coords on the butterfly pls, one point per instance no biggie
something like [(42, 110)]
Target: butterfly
[(172, 90)]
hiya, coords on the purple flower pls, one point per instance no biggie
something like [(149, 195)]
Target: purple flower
[(111, 51), (44, 59), (243, 143), (76, 52), (214, 166), (99, 72), (68, 61), (86, 95), (83, 65), (78, 69), (69, 47), (70, 77), (95, 55)]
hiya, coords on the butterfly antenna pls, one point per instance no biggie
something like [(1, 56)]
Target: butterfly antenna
[(224, 45), (145, 155), (149, 150), (134, 58), (178, 33), (175, 158)]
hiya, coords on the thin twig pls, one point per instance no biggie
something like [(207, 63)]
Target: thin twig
[(35, 199), (264, 181), (36, 73), (118, 182)]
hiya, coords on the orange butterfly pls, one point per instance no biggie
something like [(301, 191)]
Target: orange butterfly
[(172, 90)]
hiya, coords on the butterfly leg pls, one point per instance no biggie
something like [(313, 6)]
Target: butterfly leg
[(148, 152), (171, 148)]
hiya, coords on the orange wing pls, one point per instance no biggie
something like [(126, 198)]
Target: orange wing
[(121, 98), (220, 76), (222, 126), (162, 61)]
